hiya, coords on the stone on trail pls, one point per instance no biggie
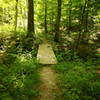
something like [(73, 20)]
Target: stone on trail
[(46, 55)]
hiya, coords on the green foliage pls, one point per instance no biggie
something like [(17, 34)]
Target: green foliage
[(18, 70), (18, 81), (78, 81), (63, 54)]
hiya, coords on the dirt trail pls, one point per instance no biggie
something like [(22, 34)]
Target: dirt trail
[(48, 85)]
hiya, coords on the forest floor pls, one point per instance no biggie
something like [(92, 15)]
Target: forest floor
[(48, 85)]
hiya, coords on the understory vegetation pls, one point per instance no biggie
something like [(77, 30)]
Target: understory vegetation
[(78, 80), (18, 81), (19, 77)]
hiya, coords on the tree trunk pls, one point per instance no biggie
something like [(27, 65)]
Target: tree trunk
[(45, 21), (85, 19), (81, 24), (16, 14), (70, 13), (52, 21), (30, 36), (58, 22), (30, 17)]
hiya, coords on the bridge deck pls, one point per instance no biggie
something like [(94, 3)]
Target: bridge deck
[(45, 54)]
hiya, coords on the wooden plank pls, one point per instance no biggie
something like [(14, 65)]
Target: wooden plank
[(46, 55)]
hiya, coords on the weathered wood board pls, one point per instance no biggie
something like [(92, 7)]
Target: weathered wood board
[(46, 55)]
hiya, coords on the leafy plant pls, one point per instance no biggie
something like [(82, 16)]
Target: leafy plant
[(78, 81), (18, 81)]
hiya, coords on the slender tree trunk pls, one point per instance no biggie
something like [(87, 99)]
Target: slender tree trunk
[(85, 19), (86, 26), (24, 20), (78, 39), (16, 14), (22, 10), (45, 17), (83, 13), (57, 37), (70, 13), (52, 21), (30, 17), (81, 24)]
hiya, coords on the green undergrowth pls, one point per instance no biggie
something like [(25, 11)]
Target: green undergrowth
[(78, 80), (19, 80)]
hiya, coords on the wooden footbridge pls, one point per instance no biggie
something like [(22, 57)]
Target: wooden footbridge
[(46, 54)]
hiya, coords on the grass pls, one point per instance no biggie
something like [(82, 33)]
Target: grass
[(78, 81)]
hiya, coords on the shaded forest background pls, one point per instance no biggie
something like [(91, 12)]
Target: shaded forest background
[(73, 24)]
